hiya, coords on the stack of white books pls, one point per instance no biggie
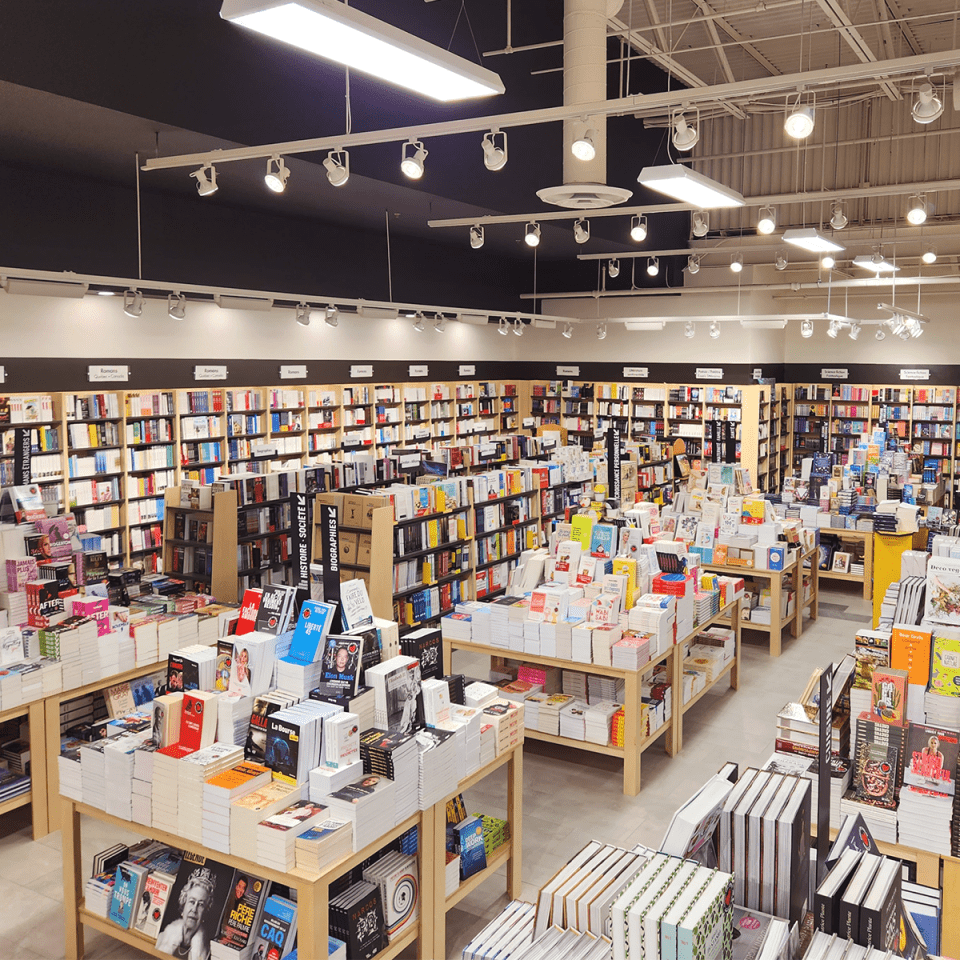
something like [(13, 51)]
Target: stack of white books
[(193, 771), (574, 684), (324, 843), (548, 720), (92, 771), (456, 626), (119, 756), (631, 652), (171, 635), (941, 711), (107, 653), (367, 804), (438, 766), (141, 787), (144, 633), (233, 717), (300, 678), (277, 834), (531, 710), (479, 694), (581, 649), (248, 811), (98, 895), (325, 780), (460, 748), (573, 719), (203, 660), (452, 873), (605, 688), (166, 782), (881, 823), (488, 743), (69, 767), (923, 819), (604, 637), (481, 622), (52, 677), (472, 720), (220, 791), (597, 721), (655, 615), (513, 929)]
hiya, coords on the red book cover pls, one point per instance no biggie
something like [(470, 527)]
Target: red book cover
[(196, 719), (248, 611)]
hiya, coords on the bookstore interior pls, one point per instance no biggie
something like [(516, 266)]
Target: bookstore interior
[(359, 520)]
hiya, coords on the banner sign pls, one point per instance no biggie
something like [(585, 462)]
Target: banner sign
[(330, 558), (301, 540), (613, 463), (22, 455)]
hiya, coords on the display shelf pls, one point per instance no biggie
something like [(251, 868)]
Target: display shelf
[(15, 803), (496, 860), (860, 536)]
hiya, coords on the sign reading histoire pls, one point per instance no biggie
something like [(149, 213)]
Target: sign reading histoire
[(834, 373), (301, 539), (709, 373), (293, 372), (330, 558), (102, 374), (636, 373), (468, 370), (914, 373), (419, 370), (361, 371), (210, 372), (568, 371)]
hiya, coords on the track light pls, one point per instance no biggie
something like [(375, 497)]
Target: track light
[(879, 335), (494, 155), (799, 120), (176, 306), (839, 219), (928, 105), (303, 315), (781, 263), (476, 236), (833, 330), (689, 329), (693, 264), (929, 255), (828, 262), (338, 170), (638, 228), (684, 137), (440, 324), (518, 327), (701, 223), (653, 266), (854, 331), (917, 213), (412, 163), (601, 331), (584, 147), (806, 329), (331, 316), (613, 268), (532, 235), (567, 330), (418, 323), (502, 327), (206, 178), (736, 263), (277, 174), (581, 230), (133, 303), (714, 330), (768, 221)]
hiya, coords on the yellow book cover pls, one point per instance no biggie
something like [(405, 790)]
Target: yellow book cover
[(462, 527), (441, 500), (433, 532), (627, 567), (581, 530)]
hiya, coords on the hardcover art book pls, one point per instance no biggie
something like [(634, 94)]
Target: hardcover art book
[(943, 590), (931, 757), (878, 761)]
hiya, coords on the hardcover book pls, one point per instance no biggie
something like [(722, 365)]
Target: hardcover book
[(888, 695), (195, 905), (878, 762), (930, 759)]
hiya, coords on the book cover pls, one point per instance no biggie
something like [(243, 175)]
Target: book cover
[(910, 651), (872, 650), (194, 907), (888, 695), (315, 622), (602, 540), (878, 761), (248, 611), (367, 932), (945, 663), (153, 903), (224, 662), (127, 888), (340, 669), (355, 604), (469, 844), (197, 725), (256, 743), (277, 929), (942, 601), (283, 750), (275, 609), (930, 758)]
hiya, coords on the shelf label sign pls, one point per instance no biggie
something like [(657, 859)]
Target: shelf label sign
[(487, 450), (330, 558), (102, 374), (409, 461), (293, 372), (209, 373), (568, 371), (613, 463), (467, 370), (834, 373), (361, 371), (419, 370), (421, 434), (709, 373), (529, 422), (22, 455), (301, 539), (914, 373), (636, 373)]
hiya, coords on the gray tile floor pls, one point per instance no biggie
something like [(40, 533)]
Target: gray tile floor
[(569, 796)]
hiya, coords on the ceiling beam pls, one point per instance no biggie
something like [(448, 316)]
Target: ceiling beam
[(885, 8), (712, 17)]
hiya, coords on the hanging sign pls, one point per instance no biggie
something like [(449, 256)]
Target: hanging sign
[(834, 373), (293, 372), (358, 371), (102, 374), (487, 450), (568, 371), (467, 370), (914, 373), (757, 373), (409, 461), (209, 373), (330, 558), (420, 370), (709, 373), (301, 539), (636, 373)]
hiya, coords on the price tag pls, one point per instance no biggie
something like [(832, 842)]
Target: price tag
[(210, 373), (914, 373), (709, 373), (636, 373), (529, 422), (834, 373), (568, 371), (419, 370), (361, 371), (468, 370), (102, 374), (293, 372)]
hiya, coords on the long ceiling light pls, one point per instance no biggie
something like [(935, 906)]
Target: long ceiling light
[(642, 325), (344, 34), (688, 186), (811, 239), (875, 262), (47, 288)]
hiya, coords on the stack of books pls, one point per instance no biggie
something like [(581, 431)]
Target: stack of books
[(220, 791), (597, 721), (233, 717), (392, 754), (573, 719), (397, 877), (322, 844), (456, 626), (192, 772), (471, 718), (93, 776), (548, 720), (247, 811), (141, 787), (368, 805), (356, 917), (452, 873), (631, 652), (574, 684), (438, 766), (119, 756), (488, 744), (294, 739), (277, 834), (479, 694)]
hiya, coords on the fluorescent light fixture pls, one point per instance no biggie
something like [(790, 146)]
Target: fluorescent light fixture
[(601, 331), (502, 327), (928, 106), (799, 122), (133, 303), (808, 238), (736, 263), (277, 174), (645, 324), (206, 178), (613, 268), (763, 324), (411, 163), (781, 263), (714, 330), (47, 288), (684, 136), (581, 230), (331, 316), (806, 329), (531, 236), (227, 302), (378, 313), (839, 219), (584, 147), (693, 265), (929, 255), (653, 266), (494, 154), (875, 262), (567, 330), (828, 262), (338, 170), (701, 224), (688, 186), (176, 306), (689, 329), (476, 236), (106, 293), (344, 34), (768, 221), (917, 213)]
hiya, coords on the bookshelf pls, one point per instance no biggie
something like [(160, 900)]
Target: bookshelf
[(503, 527), (41, 414), (510, 412), (37, 795), (357, 418), (578, 412), (811, 421), (246, 428), (323, 420), (287, 422), (201, 434), (545, 403)]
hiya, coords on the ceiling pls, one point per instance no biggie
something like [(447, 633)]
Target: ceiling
[(88, 86)]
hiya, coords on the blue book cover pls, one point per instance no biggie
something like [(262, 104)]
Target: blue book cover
[(316, 619), (927, 920), (277, 928), (469, 838), (127, 887), (602, 540)]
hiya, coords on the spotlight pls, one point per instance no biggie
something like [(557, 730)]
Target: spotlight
[(714, 330), (532, 235), (653, 266), (701, 224), (338, 171), (833, 330), (917, 213), (331, 316), (613, 268), (494, 156), (638, 228), (879, 335), (440, 324), (303, 315), (206, 178), (736, 263), (584, 147), (277, 174), (502, 327), (601, 331), (781, 263), (799, 121), (418, 323), (412, 163), (839, 219), (176, 306), (689, 329), (693, 264), (854, 331), (518, 327), (133, 303), (806, 329), (581, 230), (476, 236), (568, 330), (768, 221), (828, 263), (685, 137), (929, 255), (928, 105)]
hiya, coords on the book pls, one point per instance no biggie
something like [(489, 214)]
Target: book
[(930, 758), (340, 670), (249, 607), (888, 694), (315, 622), (355, 604), (153, 903), (127, 890), (241, 913), (195, 905), (277, 929), (878, 761), (826, 913), (276, 608), (468, 843)]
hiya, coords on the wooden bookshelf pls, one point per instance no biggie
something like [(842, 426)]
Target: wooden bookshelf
[(38, 794)]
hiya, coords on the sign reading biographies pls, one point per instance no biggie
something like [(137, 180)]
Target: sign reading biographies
[(301, 539), (22, 455), (823, 771), (613, 463), (330, 558)]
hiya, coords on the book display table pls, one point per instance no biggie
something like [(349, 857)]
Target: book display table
[(313, 888), (633, 743), (854, 536), (37, 795)]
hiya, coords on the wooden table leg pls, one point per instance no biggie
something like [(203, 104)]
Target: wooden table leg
[(673, 741), (39, 794), (631, 733), (776, 591), (52, 734), (515, 819), (868, 568), (312, 918), (448, 656), (950, 928), (735, 669), (814, 587), (433, 886), (72, 880), (796, 621)]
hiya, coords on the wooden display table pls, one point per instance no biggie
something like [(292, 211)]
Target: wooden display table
[(633, 744), (37, 794), (860, 536)]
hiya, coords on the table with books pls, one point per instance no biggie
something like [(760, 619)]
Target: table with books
[(37, 794)]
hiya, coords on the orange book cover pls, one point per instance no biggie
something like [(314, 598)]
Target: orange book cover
[(910, 651)]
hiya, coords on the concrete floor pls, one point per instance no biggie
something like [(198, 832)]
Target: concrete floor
[(569, 797)]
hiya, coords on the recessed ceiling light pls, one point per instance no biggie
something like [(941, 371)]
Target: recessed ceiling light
[(810, 239), (688, 186)]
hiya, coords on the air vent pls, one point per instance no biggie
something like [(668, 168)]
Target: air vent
[(584, 196)]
